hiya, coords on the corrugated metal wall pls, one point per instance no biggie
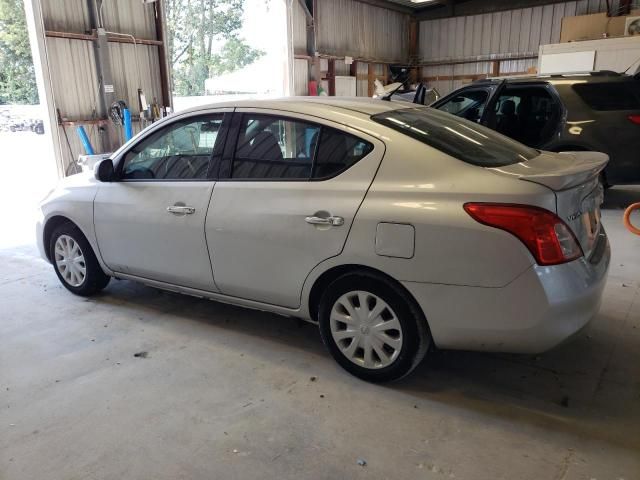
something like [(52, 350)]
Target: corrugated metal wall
[(348, 27), (299, 40), (510, 33), (300, 77), (128, 16), (298, 28), (72, 67)]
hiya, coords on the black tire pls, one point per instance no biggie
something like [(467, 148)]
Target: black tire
[(416, 338), (95, 279)]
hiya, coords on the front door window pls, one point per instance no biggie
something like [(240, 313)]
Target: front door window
[(467, 104), (180, 151)]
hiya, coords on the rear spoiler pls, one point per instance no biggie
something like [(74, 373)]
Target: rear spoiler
[(558, 171)]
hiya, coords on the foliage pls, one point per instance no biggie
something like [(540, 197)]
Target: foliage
[(204, 41), (17, 76)]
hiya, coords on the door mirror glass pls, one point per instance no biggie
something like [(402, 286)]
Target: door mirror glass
[(104, 170), (431, 96)]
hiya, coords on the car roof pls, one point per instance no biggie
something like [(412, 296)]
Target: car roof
[(586, 77), (312, 105)]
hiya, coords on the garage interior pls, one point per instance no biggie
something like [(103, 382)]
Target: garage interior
[(138, 382)]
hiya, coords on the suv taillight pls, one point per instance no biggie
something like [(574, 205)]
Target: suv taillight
[(547, 237), (634, 118)]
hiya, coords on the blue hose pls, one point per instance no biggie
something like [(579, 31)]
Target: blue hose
[(128, 131), (84, 138)]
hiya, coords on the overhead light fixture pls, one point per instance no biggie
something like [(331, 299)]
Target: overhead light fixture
[(422, 1)]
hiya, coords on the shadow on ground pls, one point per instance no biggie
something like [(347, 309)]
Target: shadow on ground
[(567, 390)]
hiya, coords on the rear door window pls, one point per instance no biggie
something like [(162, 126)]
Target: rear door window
[(608, 96), (271, 147), (526, 113), (464, 140), (337, 152)]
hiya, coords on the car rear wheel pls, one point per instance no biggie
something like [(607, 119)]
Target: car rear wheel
[(74, 261), (372, 328)]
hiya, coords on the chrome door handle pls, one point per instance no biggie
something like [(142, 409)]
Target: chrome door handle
[(181, 210), (329, 221)]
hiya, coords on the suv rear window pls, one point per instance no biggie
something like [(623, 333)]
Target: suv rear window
[(610, 95), (462, 139)]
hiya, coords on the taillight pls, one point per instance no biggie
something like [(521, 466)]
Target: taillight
[(547, 237), (634, 119)]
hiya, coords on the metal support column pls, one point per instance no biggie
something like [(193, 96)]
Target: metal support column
[(414, 57), (309, 8), (107, 95), (38, 41), (165, 74)]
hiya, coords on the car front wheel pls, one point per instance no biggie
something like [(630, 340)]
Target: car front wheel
[(372, 328), (74, 262)]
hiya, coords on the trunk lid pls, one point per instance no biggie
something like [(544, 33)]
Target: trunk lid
[(574, 179)]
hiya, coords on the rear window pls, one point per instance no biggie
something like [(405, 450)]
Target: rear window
[(462, 139), (610, 96)]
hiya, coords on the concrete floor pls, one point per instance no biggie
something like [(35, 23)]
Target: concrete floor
[(227, 393)]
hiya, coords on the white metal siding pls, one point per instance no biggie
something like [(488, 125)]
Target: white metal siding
[(126, 16), (505, 34), (300, 77), (348, 27), (72, 67), (298, 28)]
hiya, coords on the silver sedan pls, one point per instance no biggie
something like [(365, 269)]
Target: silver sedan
[(394, 228)]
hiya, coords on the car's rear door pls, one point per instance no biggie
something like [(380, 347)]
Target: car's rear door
[(611, 122), (288, 191), (533, 116), (150, 221)]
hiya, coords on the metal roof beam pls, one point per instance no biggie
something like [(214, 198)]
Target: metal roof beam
[(475, 7), (388, 5)]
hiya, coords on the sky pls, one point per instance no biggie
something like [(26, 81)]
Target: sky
[(265, 28)]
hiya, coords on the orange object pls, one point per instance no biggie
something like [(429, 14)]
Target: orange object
[(627, 218)]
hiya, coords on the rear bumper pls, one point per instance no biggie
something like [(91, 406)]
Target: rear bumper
[(540, 309)]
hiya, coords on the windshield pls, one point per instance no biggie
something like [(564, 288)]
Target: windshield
[(462, 139)]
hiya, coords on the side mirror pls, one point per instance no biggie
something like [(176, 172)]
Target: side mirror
[(104, 171)]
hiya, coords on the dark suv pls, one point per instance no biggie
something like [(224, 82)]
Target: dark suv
[(597, 111)]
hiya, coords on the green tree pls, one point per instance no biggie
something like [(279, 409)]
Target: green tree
[(204, 40), (17, 76)]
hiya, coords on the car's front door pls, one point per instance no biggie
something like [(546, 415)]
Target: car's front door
[(288, 192), (150, 221), (467, 103)]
